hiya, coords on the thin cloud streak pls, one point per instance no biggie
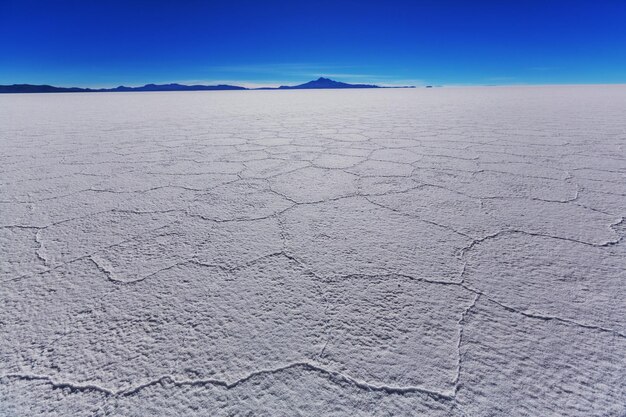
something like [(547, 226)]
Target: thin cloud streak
[(296, 73)]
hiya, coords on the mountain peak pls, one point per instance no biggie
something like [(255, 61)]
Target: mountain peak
[(323, 82)]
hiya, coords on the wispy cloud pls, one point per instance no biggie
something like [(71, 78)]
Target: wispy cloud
[(276, 68), (501, 78), (400, 83), (266, 74), (541, 69), (274, 74)]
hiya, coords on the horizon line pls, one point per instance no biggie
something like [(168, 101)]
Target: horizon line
[(255, 86)]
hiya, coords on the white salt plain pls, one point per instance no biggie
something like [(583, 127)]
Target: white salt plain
[(437, 252)]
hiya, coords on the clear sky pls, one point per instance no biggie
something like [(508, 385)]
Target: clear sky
[(108, 43)]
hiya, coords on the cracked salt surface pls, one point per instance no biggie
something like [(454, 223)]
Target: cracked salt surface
[(444, 252)]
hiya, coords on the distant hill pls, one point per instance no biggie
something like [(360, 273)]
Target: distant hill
[(320, 83), (28, 88), (177, 87)]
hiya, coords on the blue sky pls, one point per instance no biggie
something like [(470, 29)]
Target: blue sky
[(108, 43)]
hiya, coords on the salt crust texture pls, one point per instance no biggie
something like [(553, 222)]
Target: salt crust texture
[(441, 252)]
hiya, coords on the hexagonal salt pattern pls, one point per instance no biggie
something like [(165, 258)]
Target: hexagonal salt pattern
[(441, 252)]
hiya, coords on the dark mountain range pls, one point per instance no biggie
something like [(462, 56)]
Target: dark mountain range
[(176, 87), (28, 88), (320, 83)]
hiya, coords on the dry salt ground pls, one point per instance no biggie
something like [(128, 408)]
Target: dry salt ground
[(440, 252)]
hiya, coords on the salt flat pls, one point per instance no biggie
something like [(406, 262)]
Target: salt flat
[(438, 252)]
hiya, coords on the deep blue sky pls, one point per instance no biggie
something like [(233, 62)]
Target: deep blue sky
[(107, 43)]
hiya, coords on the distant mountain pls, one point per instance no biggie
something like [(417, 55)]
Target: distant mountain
[(178, 87), (28, 88), (320, 83)]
